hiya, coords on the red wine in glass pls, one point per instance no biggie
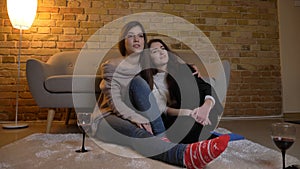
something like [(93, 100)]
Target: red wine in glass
[(283, 143), (283, 135)]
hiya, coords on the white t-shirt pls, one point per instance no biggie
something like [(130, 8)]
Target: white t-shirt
[(160, 90)]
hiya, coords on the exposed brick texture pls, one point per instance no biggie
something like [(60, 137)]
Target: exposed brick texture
[(245, 32)]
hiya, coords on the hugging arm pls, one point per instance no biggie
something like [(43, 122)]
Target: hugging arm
[(111, 87), (206, 101)]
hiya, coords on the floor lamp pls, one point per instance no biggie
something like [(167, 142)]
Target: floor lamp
[(21, 14)]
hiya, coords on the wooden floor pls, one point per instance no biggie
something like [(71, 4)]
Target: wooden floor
[(257, 130)]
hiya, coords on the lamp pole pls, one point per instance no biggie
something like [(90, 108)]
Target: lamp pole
[(17, 125), (21, 14)]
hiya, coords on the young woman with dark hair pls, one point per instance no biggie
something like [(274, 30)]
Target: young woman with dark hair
[(171, 82)]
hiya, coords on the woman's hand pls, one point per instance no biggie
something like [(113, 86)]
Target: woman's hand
[(146, 126), (201, 114), (196, 71)]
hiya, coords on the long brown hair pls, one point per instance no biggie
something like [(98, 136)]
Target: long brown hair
[(125, 31), (172, 65), (144, 56)]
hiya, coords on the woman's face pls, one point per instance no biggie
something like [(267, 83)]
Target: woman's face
[(134, 40), (159, 55)]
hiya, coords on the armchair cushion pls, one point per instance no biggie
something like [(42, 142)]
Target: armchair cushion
[(64, 84)]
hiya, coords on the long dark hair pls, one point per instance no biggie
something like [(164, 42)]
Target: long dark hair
[(172, 65), (173, 57)]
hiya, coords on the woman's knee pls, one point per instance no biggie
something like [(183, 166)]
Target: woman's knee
[(139, 86)]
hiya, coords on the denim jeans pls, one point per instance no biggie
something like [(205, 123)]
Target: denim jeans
[(144, 101), (114, 129)]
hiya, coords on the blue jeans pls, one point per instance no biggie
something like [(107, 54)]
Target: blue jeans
[(114, 129), (144, 101)]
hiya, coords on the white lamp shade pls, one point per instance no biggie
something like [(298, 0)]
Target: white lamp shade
[(21, 13)]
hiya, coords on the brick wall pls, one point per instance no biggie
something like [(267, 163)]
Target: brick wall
[(245, 32)]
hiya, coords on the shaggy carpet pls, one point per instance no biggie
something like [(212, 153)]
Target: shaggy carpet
[(57, 151)]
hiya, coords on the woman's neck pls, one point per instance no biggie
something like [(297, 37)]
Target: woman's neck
[(133, 58), (162, 68)]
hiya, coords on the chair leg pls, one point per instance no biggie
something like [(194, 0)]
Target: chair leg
[(51, 113), (69, 111)]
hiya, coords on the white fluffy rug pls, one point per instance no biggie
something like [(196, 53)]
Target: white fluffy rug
[(43, 151)]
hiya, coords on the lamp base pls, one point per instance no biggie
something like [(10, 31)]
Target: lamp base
[(14, 126)]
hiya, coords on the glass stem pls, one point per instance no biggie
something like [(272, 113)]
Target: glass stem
[(283, 159), (83, 138)]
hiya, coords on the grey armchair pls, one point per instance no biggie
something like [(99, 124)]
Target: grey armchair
[(51, 86)]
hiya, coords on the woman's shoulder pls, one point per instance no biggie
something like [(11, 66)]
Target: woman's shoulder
[(185, 66), (114, 61), (111, 64)]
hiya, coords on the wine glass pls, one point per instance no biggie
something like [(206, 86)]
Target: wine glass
[(283, 135), (83, 122)]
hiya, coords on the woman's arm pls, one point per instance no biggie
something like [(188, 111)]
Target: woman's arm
[(112, 86), (178, 112), (200, 114), (199, 111)]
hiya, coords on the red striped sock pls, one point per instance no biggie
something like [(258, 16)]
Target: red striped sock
[(197, 155)]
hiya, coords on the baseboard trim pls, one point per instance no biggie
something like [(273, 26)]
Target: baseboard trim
[(286, 115), (291, 116), (250, 117)]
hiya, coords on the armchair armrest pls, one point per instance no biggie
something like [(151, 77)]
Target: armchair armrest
[(36, 73)]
